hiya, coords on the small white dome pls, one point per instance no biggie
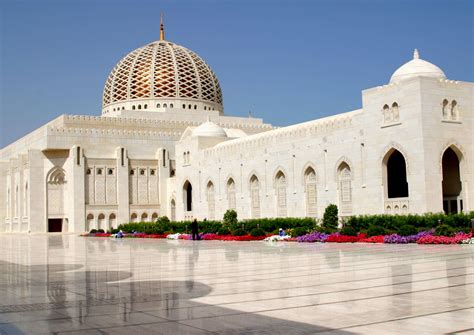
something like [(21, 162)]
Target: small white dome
[(209, 129), (417, 68)]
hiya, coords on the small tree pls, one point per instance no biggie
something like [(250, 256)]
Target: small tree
[(230, 218), (330, 219)]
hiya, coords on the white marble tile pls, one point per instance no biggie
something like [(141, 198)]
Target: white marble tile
[(66, 283)]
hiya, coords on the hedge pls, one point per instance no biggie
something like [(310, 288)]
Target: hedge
[(270, 225), (395, 222), (364, 223)]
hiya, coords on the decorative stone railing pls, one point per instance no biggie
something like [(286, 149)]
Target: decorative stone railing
[(397, 206)]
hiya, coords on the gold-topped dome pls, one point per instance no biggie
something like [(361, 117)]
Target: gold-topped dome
[(161, 73)]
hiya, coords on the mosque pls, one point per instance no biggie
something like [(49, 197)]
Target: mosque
[(163, 146)]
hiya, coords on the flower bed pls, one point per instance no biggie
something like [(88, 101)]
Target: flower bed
[(315, 236), (458, 238), (373, 239)]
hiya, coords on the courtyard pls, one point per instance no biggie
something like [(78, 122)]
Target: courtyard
[(53, 283)]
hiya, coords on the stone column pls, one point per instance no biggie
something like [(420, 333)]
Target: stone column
[(123, 201), (38, 222), (75, 197)]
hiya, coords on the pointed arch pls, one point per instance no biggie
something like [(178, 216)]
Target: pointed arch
[(56, 175), (254, 185), (281, 184), (279, 171), (340, 161), (188, 196), (395, 174), (395, 146), (211, 202), (305, 169), (309, 176), (344, 182), (452, 163), (231, 189)]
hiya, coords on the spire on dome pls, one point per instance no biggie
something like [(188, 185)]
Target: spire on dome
[(416, 54), (162, 28)]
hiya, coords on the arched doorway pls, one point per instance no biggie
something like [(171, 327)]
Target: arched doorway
[(89, 222), (56, 184), (144, 217), (101, 222), (112, 221), (154, 217), (134, 217), (451, 184), (395, 175), (188, 196)]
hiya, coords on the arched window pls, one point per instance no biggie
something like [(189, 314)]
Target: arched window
[(396, 175), (189, 106), (134, 217), (345, 188), (112, 221), (255, 196), (454, 110), (188, 196), (395, 112), (386, 114), (101, 222), (452, 185), (211, 202), (445, 109), (165, 106), (145, 106), (123, 108), (173, 210), (154, 217), (311, 194), (231, 194), (158, 105), (205, 108), (195, 106), (144, 217), (133, 107), (280, 183), (184, 106), (139, 106), (171, 106)]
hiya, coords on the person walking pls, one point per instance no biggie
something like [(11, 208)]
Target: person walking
[(195, 229)]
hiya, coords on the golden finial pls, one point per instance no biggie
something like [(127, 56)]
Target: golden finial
[(162, 28)]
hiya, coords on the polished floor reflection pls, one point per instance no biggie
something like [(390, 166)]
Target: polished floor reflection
[(69, 284)]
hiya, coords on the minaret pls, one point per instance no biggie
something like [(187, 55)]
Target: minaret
[(162, 28)]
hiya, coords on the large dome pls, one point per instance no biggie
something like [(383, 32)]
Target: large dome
[(158, 76), (417, 68)]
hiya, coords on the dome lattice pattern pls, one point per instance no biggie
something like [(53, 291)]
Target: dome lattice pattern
[(162, 70)]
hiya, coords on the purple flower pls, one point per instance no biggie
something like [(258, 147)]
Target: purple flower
[(314, 236)]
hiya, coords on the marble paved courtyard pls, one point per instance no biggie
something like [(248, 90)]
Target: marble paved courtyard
[(65, 284)]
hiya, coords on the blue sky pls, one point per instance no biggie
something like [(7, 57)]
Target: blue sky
[(286, 61)]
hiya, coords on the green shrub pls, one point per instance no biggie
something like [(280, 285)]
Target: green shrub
[(330, 218), (223, 231), (257, 232), (375, 231), (298, 231), (348, 230), (444, 230), (239, 232), (230, 218), (406, 230)]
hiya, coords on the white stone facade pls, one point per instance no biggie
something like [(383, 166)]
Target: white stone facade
[(409, 149)]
